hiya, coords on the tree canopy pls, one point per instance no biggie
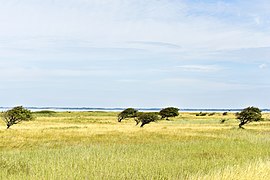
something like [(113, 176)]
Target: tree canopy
[(248, 115), (146, 118), (127, 113), (16, 115), (168, 112)]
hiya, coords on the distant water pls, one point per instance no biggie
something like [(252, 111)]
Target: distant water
[(61, 109)]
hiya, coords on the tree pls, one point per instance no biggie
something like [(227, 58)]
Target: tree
[(146, 118), (127, 113), (168, 112), (248, 115), (16, 115)]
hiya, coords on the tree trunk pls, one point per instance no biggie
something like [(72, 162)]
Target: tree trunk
[(8, 126), (137, 121), (241, 125), (120, 119)]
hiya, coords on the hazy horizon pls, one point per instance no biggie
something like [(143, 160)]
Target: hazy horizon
[(135, 53)]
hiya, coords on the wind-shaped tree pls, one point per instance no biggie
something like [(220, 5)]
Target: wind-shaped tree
[(248, 115), (168, 112), (16, 115), (127, 113), (146, 118)]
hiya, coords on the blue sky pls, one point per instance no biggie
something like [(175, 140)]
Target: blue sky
[(135, 53)]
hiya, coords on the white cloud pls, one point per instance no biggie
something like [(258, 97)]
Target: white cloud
[(263, 66), (199, 68)]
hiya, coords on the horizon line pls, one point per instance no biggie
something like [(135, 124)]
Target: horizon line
[(122, 108)]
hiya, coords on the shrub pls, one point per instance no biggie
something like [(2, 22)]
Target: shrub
[(222, 121), (45, 112), (201, 114)]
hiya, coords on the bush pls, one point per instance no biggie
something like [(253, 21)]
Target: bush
[(201, 114), (225, 114), (222, 121), (45, 112)]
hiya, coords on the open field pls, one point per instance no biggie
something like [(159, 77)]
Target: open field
[(93, 145)]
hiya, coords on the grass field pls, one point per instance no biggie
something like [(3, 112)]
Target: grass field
[(93, 145)]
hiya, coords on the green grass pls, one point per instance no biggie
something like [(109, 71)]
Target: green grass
[(93, 145)]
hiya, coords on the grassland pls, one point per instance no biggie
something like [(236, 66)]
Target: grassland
[(93, 145)]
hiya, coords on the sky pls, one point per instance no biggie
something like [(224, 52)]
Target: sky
[(135, 53)]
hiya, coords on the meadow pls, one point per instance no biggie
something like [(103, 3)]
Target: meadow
[(93, 145)]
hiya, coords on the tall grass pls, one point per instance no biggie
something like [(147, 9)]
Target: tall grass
[(93, 145), (259, 169)]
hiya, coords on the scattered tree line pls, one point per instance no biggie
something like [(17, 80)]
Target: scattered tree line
[(247, 115), (147, 117)]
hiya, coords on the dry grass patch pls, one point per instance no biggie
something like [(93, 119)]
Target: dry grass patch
[(92, 145)]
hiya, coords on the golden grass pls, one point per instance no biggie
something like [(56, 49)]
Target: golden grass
[(93, 145), (257, 170)]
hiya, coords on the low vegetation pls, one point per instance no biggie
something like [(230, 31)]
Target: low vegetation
[(201, 114), (45, 112)]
